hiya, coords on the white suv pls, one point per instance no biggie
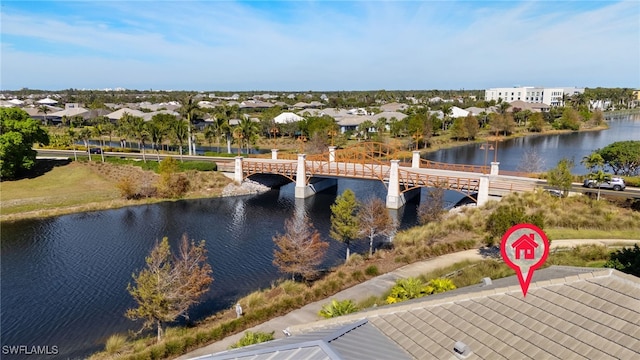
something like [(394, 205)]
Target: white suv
[(614, 183)]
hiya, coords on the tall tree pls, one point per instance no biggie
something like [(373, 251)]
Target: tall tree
[(73, 137), (536, 122), (140, 132), (85, 135), (250, 131), (188, 109), (210, 134), (433, 208), (18, 133), (560, 177), (471, 126), (179, 133), (169, 285), (45, 110), (374, 220), (623, 157), (344, 220), (300, 249), (592, 162), (447, 111)]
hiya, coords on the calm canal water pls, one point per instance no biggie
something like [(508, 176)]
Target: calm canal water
[(550, 148), (63, 280)]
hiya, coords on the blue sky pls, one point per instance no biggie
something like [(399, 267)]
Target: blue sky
[(318, 45)]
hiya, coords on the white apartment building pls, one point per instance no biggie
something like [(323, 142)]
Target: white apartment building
[(532, 94)]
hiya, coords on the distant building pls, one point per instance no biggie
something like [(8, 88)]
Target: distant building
[(531, 94)]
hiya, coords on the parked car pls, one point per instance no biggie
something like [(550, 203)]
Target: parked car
[(614, 183), (95, 150), (554, 192)]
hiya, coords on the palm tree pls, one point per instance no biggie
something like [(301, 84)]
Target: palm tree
[(364, 128), (222, 127), (599, 177), (45, 110), (85, 135), (179, 133), (140, 133), (250, 131), (156, 134), (503, 107), (188, 108), (210, 133), (98, 131), (446, 112), (73, 136), (592, 162), (381, 125)]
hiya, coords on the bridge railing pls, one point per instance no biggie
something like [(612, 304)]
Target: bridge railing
[(411, 180), (428, 164), (284, 169)]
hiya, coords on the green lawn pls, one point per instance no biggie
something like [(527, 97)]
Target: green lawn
[(63, 186)]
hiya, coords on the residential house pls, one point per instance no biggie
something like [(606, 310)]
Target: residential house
[(394, 106), (287, 117)]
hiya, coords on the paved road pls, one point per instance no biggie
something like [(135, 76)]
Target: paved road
[(375, 286)]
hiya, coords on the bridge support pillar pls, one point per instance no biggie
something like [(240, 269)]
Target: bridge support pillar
[(483, 190), (302, 190), (274, 154), (395, 199), (332, 154), (237, 173), (415, 159), (495, 168)]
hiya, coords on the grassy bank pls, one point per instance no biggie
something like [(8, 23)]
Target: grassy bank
[(64, 188)]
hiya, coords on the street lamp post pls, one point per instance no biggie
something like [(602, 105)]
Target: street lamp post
[(486, 147), (332, 134), (302, 139)]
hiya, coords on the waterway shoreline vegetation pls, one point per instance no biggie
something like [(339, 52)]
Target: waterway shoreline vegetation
[(465, 229)]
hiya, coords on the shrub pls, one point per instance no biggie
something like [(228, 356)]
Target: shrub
[(338, 308), (115, 343), (174, 347), (371, 270), (251, 338), (439, 285), (357, 275), (626, 260), (127, 188), (198, 165), (506, 216), (413, 288), (406, 289)]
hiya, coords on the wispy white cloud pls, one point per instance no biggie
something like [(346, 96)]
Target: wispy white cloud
[(321, 46)]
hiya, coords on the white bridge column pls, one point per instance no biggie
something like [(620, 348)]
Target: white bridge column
[(237, 174), (495, 168), (395, 200), (483, 190), (274, 154), (301, 179), (332, 154), (415, 159)]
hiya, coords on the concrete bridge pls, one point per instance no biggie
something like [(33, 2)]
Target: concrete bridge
[(375, 161)]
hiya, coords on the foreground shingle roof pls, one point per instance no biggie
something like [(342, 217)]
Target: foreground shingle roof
[(568, 313), (330, 343)]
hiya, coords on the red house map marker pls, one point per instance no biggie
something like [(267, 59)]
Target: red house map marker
[(524, 248)]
